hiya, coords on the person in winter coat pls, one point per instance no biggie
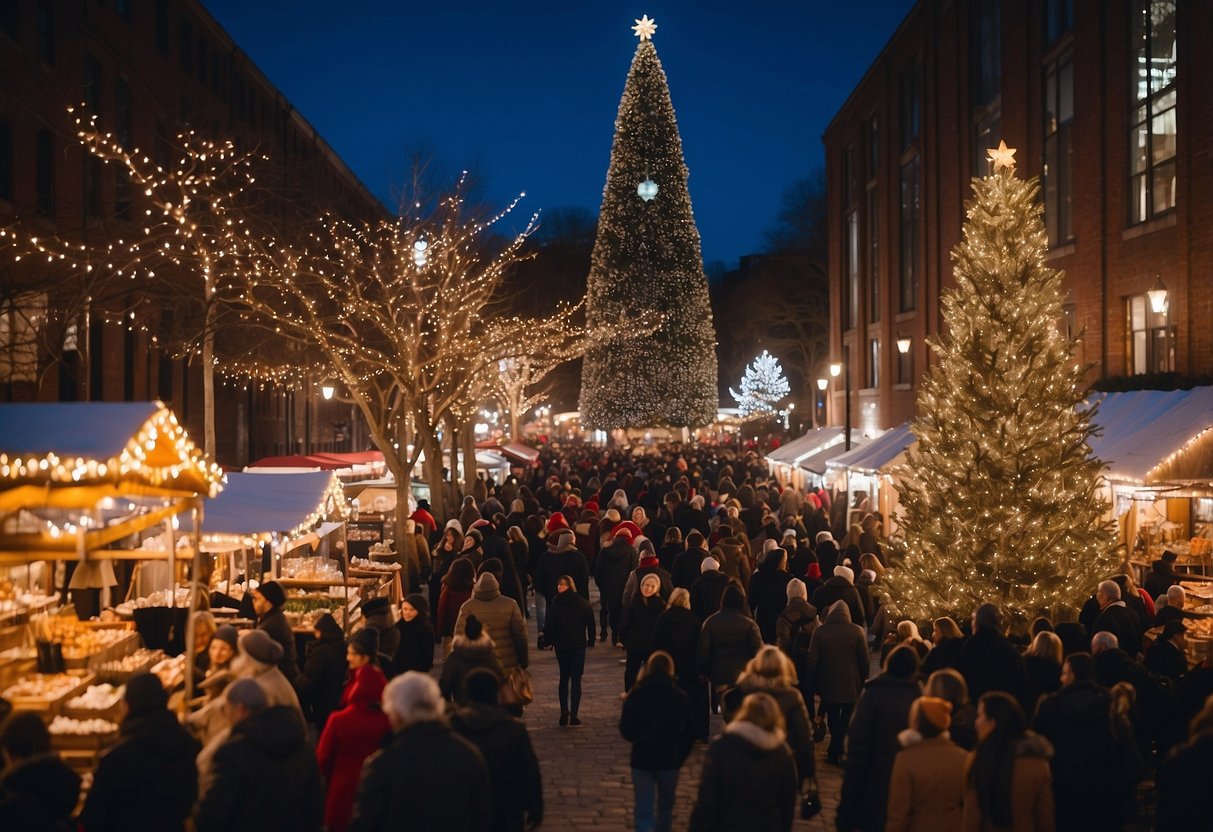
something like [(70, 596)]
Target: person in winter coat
[(1086, 761), (320, 684), (768, 593), (840, 587), (827, 552), (794, 633), (501, 619), (882, 713), (1007, 780), (504, 743), (377, 614), (708, 588), (946, 641), (445, 553), (1162, 575), (425, 775), (677, 633), (838, 656), (268, 599), (648, 564), (472, 649), (615, 561), (639, 625), (687, 566), (1116, 618), (733, 561), (987, 660), (351, 735), (469, 513), (926, 788), (657, 721), (771, 672), (561, 557), (1042, 669), (37, 789), (671, 548), (1184, 775), (749, 776), (457, 586), (1166, 656), (569, 630), (507, 580), (950, 686), (265, 774), (415, 636), (728, 640)]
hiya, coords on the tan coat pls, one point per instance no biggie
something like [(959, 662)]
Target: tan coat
[(926, 789), (1031, 791)]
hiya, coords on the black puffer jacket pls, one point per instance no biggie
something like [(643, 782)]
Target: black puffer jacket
[(883, 711), (570, 623), (838, 588), (677, 633), (428, 778), (768, 595), (467, 655), (728, 640), (279, 629), (154, 756), (38, 793), (748, 783), (323, 678), (513, 767), (656, 720), (611, 569), (640, 623), (415, 645), (265, 777), (706, 592)]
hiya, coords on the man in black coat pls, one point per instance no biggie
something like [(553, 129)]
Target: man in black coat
[(37, 789), (425, 775), (1162, 575), (148, 779), (611, 569), (840, 587), (687, 565), (988, 661), (562, 558), (268, 599), (1166, 656), (1077, 720), (1116, 618), (265, 774), (506, 746), (707, 589)]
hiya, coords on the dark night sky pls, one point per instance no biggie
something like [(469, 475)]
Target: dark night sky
[(526, 91)]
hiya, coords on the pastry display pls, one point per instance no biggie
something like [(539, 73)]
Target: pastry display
[(159, 598), (171, 671), (312, 569), (68, 726), (43, 686), (374, 565), (97, 698)]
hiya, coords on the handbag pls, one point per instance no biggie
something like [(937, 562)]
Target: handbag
[(516, 689), (810, 800)]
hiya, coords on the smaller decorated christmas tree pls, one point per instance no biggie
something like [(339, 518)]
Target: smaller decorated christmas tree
[(763, 387), (1001, 496)]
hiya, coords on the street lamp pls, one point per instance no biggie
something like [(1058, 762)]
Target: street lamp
[(903, 344), (822, 384), (844, 368), (327, 390), (1158, 296)]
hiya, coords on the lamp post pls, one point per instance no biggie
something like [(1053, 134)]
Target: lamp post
[(1158, 296), (822, 384), (845, 369)]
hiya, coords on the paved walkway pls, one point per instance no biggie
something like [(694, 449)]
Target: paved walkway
[(587, 782)]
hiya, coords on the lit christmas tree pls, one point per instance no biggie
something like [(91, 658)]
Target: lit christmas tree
[(647, 259), (763, 387), (1000, 496)]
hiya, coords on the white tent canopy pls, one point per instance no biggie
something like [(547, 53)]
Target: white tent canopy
[(260, 504), (1139, 430), (882, 451), (802, 447)]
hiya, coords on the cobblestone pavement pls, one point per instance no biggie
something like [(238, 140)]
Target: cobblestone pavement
[(587, 783)]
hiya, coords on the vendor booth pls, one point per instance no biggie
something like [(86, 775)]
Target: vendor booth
[(785, 461), (868, 472)]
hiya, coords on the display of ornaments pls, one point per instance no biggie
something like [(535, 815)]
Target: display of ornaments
[(98, 698), (374, 565)]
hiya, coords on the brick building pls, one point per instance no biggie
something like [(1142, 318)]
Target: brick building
[(149, 69), (1107, 102)]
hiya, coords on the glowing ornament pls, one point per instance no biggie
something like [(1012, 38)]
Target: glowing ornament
[(647, 189), (1002, 156), (644, 28)]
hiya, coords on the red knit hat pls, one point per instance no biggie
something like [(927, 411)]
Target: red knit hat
[(633, 531), (556, 521)]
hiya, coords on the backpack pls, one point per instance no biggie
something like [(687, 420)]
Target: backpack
[(802, 636)]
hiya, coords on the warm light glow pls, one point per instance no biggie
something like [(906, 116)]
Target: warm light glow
[(327, 391), (822, 384), (1158, 297), (835, 369), (903, 344)]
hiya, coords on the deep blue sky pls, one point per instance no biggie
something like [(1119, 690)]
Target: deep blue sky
[(526, 91)]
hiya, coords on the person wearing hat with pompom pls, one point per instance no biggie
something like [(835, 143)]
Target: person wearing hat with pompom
[(502, 620), (415, 640), (926, 788), (471, 649), (841, 587), (154, 755), (268, 599)]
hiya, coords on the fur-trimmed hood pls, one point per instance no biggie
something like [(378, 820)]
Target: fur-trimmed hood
[(474, 646), (1034, 745), (759, 738)]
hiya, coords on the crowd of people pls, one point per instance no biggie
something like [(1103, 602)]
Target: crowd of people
[(724, 593)]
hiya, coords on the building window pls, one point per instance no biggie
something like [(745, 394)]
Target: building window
[(873, 259), (21, 320), (162, 27), (187, 46), (850, 296), (908, 272), (46, 33), (987, 130), (1150, 344), (849, 176), (873, 376), (10, 18), (1059, 18), (1069, 321), (911, 103), (1152, 122), (905, 367), (986, 78), (44, 172), (6, 160), (873, 148), (1059, 112)]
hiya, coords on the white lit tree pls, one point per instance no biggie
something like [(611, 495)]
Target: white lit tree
[(647, 259), (763, 387), (1001, 495)]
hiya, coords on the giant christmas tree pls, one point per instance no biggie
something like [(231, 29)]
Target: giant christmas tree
[(646, 259), (1000, 495)]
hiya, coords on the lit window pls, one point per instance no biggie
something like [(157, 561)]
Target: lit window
[(1059, 113), (908, 275), (1153, 127), (1150, 346)]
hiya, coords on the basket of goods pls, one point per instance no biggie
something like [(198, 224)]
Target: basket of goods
[(119, 670), (1200, 638), (91, 734), (170, 671), (103, 701), (378, 567), (44, 692)]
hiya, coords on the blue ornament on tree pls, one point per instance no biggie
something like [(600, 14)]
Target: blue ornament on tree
[(647, 189)]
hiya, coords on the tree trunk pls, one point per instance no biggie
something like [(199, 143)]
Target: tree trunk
[(433, 478), (467, 442), (208, 381), (514, 425)]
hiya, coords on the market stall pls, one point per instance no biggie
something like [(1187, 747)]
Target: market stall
[(76, 481), (870, 469), (784, 461)]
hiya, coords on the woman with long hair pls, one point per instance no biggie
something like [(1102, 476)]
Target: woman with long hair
[(640, 625), (773, 673), (1042, 664), (569, 630), (749, 776), (656, 720), (1008, 784), (671, 547), (457, 586), (445, 553), (950, 685)]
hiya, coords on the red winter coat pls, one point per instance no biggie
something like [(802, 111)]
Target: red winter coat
[(351, 735), (449, 603)]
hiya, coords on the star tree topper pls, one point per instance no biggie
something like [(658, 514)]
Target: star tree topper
[(1002, 156), (645, 28)]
